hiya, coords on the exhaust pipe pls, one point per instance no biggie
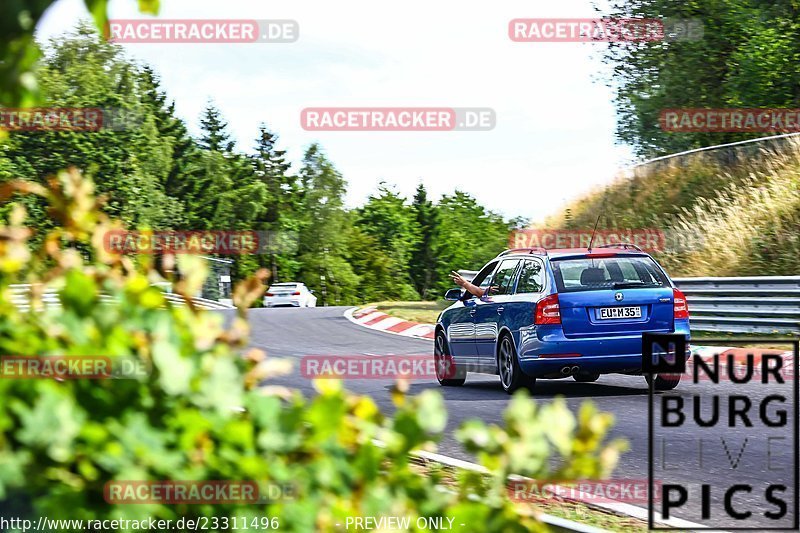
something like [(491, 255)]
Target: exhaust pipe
[(574, 369), (566, 371)]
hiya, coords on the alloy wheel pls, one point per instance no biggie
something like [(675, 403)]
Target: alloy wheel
[(506, 363)]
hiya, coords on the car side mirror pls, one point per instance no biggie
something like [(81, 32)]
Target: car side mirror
[(453, 295)]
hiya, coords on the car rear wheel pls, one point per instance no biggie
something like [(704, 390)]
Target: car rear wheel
[(586, 377), (511, 375), (447, 373), (664, 381)]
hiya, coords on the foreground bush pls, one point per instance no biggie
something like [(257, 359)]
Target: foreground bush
[(203, 412)]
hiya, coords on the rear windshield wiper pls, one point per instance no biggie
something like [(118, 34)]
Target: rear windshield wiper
[(634, 284)]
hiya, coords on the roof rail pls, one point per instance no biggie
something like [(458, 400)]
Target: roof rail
[(536, 250), (623, 245)]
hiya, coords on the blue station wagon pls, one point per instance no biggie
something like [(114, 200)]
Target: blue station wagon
[(549, 314)]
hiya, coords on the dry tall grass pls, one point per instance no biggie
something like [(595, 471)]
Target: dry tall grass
[(732, 212)]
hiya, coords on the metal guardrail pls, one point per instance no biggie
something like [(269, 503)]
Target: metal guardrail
[(21, 298), (755, 304)]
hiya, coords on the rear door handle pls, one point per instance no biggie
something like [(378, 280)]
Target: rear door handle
[(500, 310)]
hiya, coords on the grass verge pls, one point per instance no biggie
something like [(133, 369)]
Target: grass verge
[(699, 336), (422, 312), (553, 506)]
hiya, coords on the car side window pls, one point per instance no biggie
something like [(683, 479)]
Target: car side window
[(483, 278), (531, 278), (504, 278)]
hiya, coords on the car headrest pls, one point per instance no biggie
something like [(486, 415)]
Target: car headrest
[(593, 276)]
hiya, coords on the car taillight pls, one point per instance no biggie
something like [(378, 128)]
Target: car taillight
[(547, 311), (680, 309), (296, 293), (270, 294)]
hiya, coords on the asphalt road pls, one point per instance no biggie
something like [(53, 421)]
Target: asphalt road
[(294, 333)]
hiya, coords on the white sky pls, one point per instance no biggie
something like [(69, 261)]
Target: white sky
[(555, 119)]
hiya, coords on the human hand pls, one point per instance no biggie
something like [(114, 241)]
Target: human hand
[(458, 279)]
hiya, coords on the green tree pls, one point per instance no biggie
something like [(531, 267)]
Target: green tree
[(747, 57), (228, 194), (467, 235), (391, 223), (324, 267), (215, 136), (280, 217), (272, 168), (130, 161), (423, 258), (185, 152)]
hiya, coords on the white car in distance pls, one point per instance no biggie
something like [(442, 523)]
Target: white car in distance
[(289, 294)]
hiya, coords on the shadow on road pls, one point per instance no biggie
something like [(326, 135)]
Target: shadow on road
[(491, 390)]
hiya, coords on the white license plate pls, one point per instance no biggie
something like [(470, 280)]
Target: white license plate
[(606, 313)]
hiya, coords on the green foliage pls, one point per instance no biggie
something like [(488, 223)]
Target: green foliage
[(156, 176), (393, 233), (130, 165), (19, 53), (198, 412), (201, 415), (423, 258), (747, 57), (215, 131), (322, 236), (466, 236)]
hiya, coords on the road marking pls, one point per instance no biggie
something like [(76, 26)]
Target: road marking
[(368, 317), (418, 331)]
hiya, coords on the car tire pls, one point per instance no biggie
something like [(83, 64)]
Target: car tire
[(512, 378), (664, 381), (586, 378), (443, 361)]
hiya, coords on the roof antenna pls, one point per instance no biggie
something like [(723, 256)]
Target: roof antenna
[(591, 240)]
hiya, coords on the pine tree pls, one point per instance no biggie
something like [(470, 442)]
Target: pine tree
[(215, 131), (423, 260), (323, 231), (271, 167), (183, 170)]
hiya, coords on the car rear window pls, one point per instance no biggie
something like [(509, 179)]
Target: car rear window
[(623, 272), (284, 286)]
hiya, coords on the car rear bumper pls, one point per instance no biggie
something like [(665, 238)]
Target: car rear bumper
[(545, 352), (282, 302), (592, 364)]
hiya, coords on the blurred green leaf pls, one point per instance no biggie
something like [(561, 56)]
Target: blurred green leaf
[(150, 7)]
